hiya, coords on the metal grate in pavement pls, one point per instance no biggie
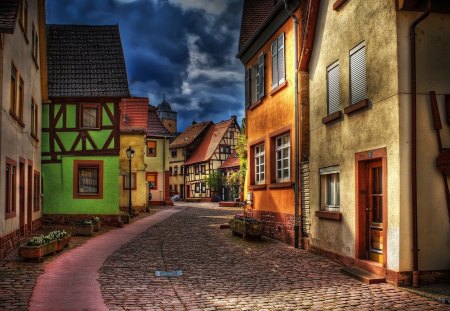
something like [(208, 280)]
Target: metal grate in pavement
[(168, 274)]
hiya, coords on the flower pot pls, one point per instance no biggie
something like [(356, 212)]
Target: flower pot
[(33, 252), (60, 244), (96, 225), (83, 229), (247, 229)]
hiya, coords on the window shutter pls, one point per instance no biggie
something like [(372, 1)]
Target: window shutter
[(274, 51), (333, 88), (281, 59), (247, 88), (358, 74), (261, 69)]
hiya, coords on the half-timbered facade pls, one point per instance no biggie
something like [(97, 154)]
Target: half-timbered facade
[(22, 65), (80, 140), (217, 145), (181, 148), (230, 191)]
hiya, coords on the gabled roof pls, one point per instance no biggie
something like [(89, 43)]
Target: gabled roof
[(8, 15), (254, 13), (190, 134), (133, 115), (85, 61), (231, 162), (210, 142), (154, 126)]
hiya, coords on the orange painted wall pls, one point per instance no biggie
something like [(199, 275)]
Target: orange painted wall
[(275, 112)]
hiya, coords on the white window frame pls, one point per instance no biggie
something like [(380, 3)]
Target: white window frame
[(259, 164), (279, 161), (330, 189)]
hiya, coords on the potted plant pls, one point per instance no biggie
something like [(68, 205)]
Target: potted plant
[(84, 227), (96, 223), (61, 237), (247, 227), (39, 246)]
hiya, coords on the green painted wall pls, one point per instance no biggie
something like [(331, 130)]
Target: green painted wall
[(58, 188)]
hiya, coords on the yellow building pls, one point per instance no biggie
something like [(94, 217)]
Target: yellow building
[(373, 141)]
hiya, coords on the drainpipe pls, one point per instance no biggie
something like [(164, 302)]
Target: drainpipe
[(412, 35), (296, 127)]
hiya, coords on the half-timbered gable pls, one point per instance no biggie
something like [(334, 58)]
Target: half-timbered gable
[(217, 145), (80, 135)]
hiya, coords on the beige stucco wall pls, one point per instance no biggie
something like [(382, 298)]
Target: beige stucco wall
[(16, 141), (177, 161), (159, 164), (376, 127), (433, 67)]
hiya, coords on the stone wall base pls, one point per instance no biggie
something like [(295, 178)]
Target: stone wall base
[(278, 226), (70, 219), (8, 242)]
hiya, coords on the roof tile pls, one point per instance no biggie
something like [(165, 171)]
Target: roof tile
[(155, 128), (133, 115), (232, 161), (190, 134)]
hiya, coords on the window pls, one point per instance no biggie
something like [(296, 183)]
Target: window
[(203, 169), (259, 164), (358, 74), (37, 191), (34, 44), (10, 188), (175, 170), (88, 179), (225, 149), (197, 188), (23, 15), (90, 116), (151, 148), (203, 186), (231, 135), (21, 99), (333, 88), (13, 91), (278, 63), (170, 171), (282, 158), (254, 81), (196, 169), (34, 119), (174, 153), (152, 180), (329, 189), (126, 181), (181, 169)]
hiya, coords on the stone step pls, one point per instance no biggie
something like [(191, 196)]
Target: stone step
[(363, 275)]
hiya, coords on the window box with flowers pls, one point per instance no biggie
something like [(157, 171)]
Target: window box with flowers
[(247, 227), (83, 227)]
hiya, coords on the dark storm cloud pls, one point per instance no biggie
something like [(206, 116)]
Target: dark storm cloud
[(184, 48)]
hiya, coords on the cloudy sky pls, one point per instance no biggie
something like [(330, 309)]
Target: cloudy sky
[(183, 48)]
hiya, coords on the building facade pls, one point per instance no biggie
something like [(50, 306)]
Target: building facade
[(373, 140), (80, 140), (22, 62)]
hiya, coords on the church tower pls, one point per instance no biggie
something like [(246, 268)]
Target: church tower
[(167, 116)]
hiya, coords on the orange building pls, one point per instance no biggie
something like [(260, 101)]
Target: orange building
[(271, 48)]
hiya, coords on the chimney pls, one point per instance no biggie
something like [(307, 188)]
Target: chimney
[(194, 122), (234, 118)]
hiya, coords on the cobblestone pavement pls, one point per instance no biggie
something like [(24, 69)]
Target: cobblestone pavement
[(223, 272)]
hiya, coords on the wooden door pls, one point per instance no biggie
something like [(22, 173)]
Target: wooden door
[(374, 212), (30, 199), (188, 191), (22, 198)]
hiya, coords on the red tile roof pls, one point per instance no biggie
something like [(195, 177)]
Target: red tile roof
[(254, 13), (190, 134), (154, 126), (231, 162), (210, 142), (133, 115)]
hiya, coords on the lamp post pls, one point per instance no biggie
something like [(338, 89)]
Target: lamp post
[(130, 155)]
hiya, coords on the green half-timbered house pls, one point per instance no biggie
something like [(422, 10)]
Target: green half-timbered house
[(80, 124)]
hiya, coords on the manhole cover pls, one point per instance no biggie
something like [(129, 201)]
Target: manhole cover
[(168, 274)]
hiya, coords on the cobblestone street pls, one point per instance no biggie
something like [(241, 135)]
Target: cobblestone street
[(223, 272)]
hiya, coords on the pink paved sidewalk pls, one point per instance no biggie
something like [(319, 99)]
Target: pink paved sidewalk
[(70, 282)]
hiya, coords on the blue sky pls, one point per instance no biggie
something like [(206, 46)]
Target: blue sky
[(183, 48)]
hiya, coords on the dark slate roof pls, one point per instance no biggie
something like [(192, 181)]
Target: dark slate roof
[(154, 126), (254, 13), (8, 15), (164, 105), (85, 61)]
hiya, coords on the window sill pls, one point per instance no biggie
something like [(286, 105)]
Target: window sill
[(356, 107), (255, 104), (278, 88), (338, 3), (87, 196), (281, 185), (336, 116), (329, 215), (10, 215), (257, 187)]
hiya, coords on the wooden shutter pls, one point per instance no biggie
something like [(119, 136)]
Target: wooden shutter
[(281, 60), (358, 74), (274, 51), (247, 88), (333, 88), (261, 75)]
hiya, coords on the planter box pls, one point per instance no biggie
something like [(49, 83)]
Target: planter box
[(96, 226), (37, 252), (60, 244), (83, 229), (246, 229)]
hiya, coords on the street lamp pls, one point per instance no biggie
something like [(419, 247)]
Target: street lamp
[(130, 155)]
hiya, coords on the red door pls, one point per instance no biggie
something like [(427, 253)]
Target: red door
[(374, 212), (22, 198)]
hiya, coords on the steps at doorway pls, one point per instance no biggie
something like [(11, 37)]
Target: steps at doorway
[(363, 276)]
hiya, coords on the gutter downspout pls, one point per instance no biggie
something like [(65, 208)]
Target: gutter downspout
[(296, 127), (412, 36)]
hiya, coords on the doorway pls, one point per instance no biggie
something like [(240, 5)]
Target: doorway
[(22, 198), (372, 206), (30, 199)]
